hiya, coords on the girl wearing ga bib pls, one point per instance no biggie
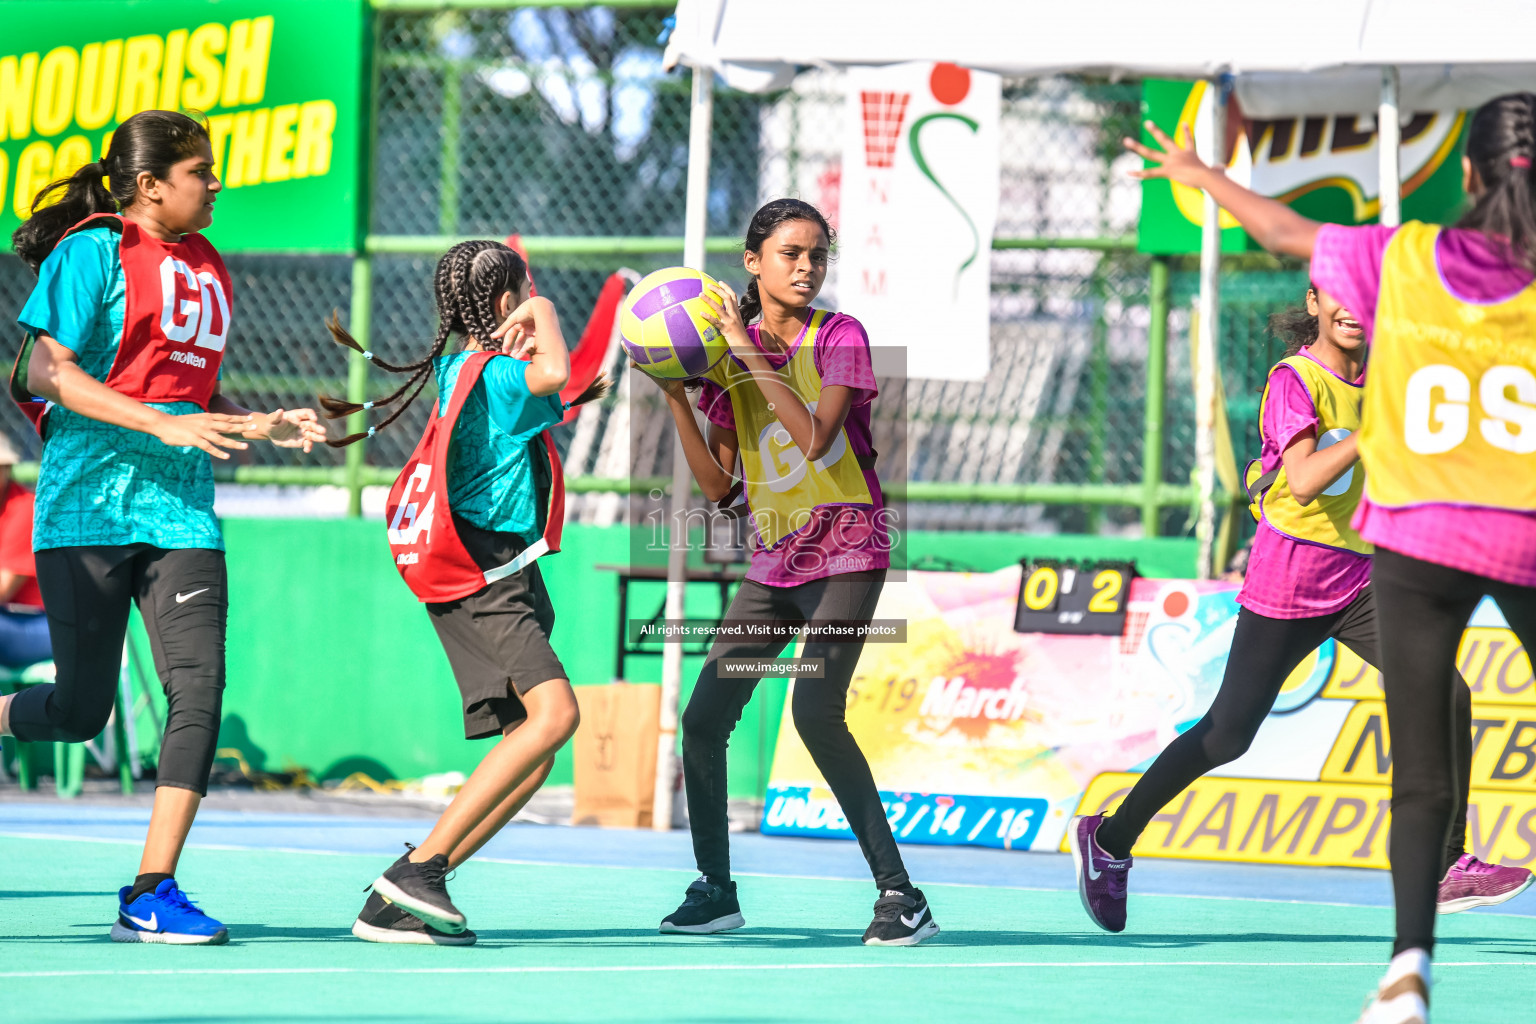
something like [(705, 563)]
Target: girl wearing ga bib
[(1448, 438), (479, 501), (789, 412), (1307, 580), (120, 370)]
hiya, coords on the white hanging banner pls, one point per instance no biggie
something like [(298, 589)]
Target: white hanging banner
[(917, 210)]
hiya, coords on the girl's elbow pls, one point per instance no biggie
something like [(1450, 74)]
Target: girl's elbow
[(546, 384)]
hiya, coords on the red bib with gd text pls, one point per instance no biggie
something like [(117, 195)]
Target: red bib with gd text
[(428, 552), (175, 320)]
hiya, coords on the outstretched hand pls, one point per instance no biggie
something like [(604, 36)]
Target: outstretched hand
[(288, 428), (209, 431), (1176, 160)]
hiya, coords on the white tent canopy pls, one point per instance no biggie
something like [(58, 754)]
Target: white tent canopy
[(1449, 56)]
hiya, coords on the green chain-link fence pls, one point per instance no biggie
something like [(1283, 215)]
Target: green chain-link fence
[(559, 123)]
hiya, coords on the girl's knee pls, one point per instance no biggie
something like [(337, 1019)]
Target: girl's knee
[(80, 724), (1226, 748), (552, 708)]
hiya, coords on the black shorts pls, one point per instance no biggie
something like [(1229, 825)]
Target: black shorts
[(497, 639)]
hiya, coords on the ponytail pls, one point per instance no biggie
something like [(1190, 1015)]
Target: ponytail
[(751, 305), (57, 208), (1501, 145), (148, 142)]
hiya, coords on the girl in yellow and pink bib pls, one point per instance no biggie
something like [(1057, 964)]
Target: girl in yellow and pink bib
[(1448, 439)]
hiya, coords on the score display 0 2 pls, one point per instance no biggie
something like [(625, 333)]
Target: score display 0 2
[(1065, 597)]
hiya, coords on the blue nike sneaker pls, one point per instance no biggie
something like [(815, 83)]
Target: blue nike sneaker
[(165, 915)]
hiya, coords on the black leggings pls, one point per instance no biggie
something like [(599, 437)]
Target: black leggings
[(1264, 652), (183, 598), (1424, 608), (819, 707)]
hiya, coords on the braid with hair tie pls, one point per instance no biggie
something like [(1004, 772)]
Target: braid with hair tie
[(464, 306)]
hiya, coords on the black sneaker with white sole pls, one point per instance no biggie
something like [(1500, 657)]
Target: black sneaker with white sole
[(422, 889), (901, 919), (706, 908), (382, 921)]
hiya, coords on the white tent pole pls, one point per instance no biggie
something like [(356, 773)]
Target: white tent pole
[(1213, 122), (695, 229), (1389, 136)]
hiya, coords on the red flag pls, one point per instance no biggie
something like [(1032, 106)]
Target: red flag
[(587, 358)]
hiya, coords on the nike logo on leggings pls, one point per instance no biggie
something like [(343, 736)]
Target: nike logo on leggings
[(182, 598)]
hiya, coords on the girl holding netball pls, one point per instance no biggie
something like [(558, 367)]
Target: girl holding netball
[(125, 333), (1307, 580), (480, 500), (789, 413), (1448, 439)]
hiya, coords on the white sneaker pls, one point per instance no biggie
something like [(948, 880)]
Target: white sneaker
[(1403, 996)]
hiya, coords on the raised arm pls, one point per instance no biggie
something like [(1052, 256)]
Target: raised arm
[(532, 332), (1272, 224)]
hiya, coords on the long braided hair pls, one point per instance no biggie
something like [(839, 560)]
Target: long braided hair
[(470, 277)]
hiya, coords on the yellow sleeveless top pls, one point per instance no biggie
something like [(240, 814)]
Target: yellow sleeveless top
[(782, 488), (1326, 520), (1450, 409)]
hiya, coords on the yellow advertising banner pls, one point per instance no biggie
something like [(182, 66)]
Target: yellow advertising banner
[(1334, 824), (978, 734)]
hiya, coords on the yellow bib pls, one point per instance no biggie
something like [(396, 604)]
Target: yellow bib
[(782, 488), (1450, 409), (1326, 520)]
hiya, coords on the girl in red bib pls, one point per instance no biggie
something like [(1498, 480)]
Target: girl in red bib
[(125, 332), (479, 501)]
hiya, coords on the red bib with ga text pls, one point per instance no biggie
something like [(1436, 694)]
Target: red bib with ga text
[(428, 552)]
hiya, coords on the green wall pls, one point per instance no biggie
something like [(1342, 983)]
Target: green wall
[(333, 665)]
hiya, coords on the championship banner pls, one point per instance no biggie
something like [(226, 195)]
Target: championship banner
[(280, 82), (980, 735), (1322, 165), (918, 208)]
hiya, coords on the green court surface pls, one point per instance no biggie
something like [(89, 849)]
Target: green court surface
[(578, 943)]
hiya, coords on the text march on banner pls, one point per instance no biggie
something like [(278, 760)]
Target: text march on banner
[(917, 211)]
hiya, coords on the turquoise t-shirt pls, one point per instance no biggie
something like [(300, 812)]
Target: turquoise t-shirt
[(99, 483), (491, 477)]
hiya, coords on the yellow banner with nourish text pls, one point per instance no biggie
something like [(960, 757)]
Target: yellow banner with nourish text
[(280, 82)]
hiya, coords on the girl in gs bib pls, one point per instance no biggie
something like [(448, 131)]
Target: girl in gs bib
[(1448, 441)]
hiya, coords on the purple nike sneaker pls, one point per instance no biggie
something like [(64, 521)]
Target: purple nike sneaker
[(1101, 880), (1471, 883)]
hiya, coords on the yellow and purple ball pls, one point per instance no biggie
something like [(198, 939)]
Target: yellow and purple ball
[(662, 325)]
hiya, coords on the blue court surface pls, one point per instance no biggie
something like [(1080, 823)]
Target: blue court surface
[(567, 923)]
